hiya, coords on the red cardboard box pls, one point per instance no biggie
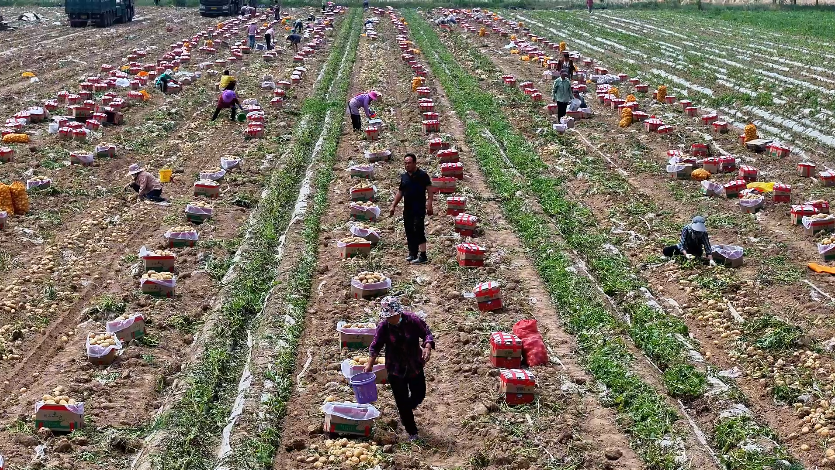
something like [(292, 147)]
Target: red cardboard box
[(821, 205), (159, 263), (456, 205), (437, 144), (454, 170), (127, 329), (699, 151), (782, 193), (798, 212), (465, 224), (505, 350), (445, 184), (805, 170), (748, 173), (827, 178), (778, 150), (349, 250), (727, 164), (733, 188), (59, 418), (720, 127), (207, 190), (470, 254), (448, 156), (518, 386)]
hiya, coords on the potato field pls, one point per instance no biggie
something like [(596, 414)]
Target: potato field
[(218, 315)]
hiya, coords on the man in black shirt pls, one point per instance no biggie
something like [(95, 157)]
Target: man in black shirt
[(414, 185)]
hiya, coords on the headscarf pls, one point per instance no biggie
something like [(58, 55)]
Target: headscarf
[(390, 307)]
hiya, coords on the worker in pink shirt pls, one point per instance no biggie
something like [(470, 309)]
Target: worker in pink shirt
[(251, 30)]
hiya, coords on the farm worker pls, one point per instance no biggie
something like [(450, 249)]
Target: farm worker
[(298, 26), (562, 93), (365, 5), (414, 186), (227, 99), (294, 39), (589, 4), (363, 100), (578, 102), (144, 183), (226, 80), (268, 38), (251, 30), (163, 80), (278, 12), (565, 63), (401, 334), (694, 242)]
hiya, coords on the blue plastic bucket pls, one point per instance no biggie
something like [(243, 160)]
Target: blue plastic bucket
[(365, 387)]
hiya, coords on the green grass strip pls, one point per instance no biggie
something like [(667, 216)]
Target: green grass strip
[(193, 423), (294, 296)]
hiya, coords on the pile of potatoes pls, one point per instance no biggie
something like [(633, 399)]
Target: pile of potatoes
[(341, 452), (820, 216), (103, 340), (58, 397), (368, 204), (200, 204), (208, 183), (752, 196), (155, 276), (368, 277), (828, 240), (359, 326), (366, 227), (212, 170), (362, 185), (160, 253), (181, 229), (348, 240), (363, 360), (123, 317)]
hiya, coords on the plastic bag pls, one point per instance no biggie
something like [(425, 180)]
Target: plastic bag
[(229, 163), (213, 176), (6, 204), (122, 82), (115, 326), (763, 187), (533, 348), (728, 251), (20, 199), (193, 235), (711, 188), (374, 210), (369, 235)]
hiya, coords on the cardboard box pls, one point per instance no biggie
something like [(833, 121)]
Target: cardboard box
[(59, 418), (158, 288), (813, 226), (680, 171), (362, 171), (730, 263), (160, 263), (363, 194), (206, 190), (360, 293), (798, 212), (699, 150), (757, 145), (821, 205), (806, 170), (827, 178), (470, 254), (128, 330), (456, 205), (453, 170), (107, 358), (711, 165), (782, 193), (733, 188), (490, 305), (748, 173), (336, 424), (349, 250), (505, 350), (445, 184), (518, 386), (827, 252), (381, 156), (355, 341)]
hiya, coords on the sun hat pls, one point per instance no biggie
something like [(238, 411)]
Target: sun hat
[(698, 224), (390, 307), (373, 95), (134, 169), (168, 71)]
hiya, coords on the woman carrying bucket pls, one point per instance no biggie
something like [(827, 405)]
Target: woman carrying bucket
[(401, 334), (363, 100)]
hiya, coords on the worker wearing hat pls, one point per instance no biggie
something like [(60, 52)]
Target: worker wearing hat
[(164, 79), (694, 242), (250, 31), (144, 183), (363, 100), (408, 343)]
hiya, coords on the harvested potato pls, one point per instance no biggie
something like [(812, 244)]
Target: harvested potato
[(102, 339), (349, 240), (153, 275), (367, 277), (181, 229)]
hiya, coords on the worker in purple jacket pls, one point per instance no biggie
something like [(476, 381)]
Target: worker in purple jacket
[(363, 100), (408, 344)]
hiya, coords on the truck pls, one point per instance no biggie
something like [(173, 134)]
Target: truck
[(220, 7), (100, 12)]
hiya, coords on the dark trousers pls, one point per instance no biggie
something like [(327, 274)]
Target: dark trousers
[(415, 230), (268, 39), (356, 122), (217, 111), (163, 85), (155, 194), (670, 251), (561, 108), (408, 393)]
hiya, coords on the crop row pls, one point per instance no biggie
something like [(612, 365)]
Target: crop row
[(282, 335), (651, 329), (210, 384)]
